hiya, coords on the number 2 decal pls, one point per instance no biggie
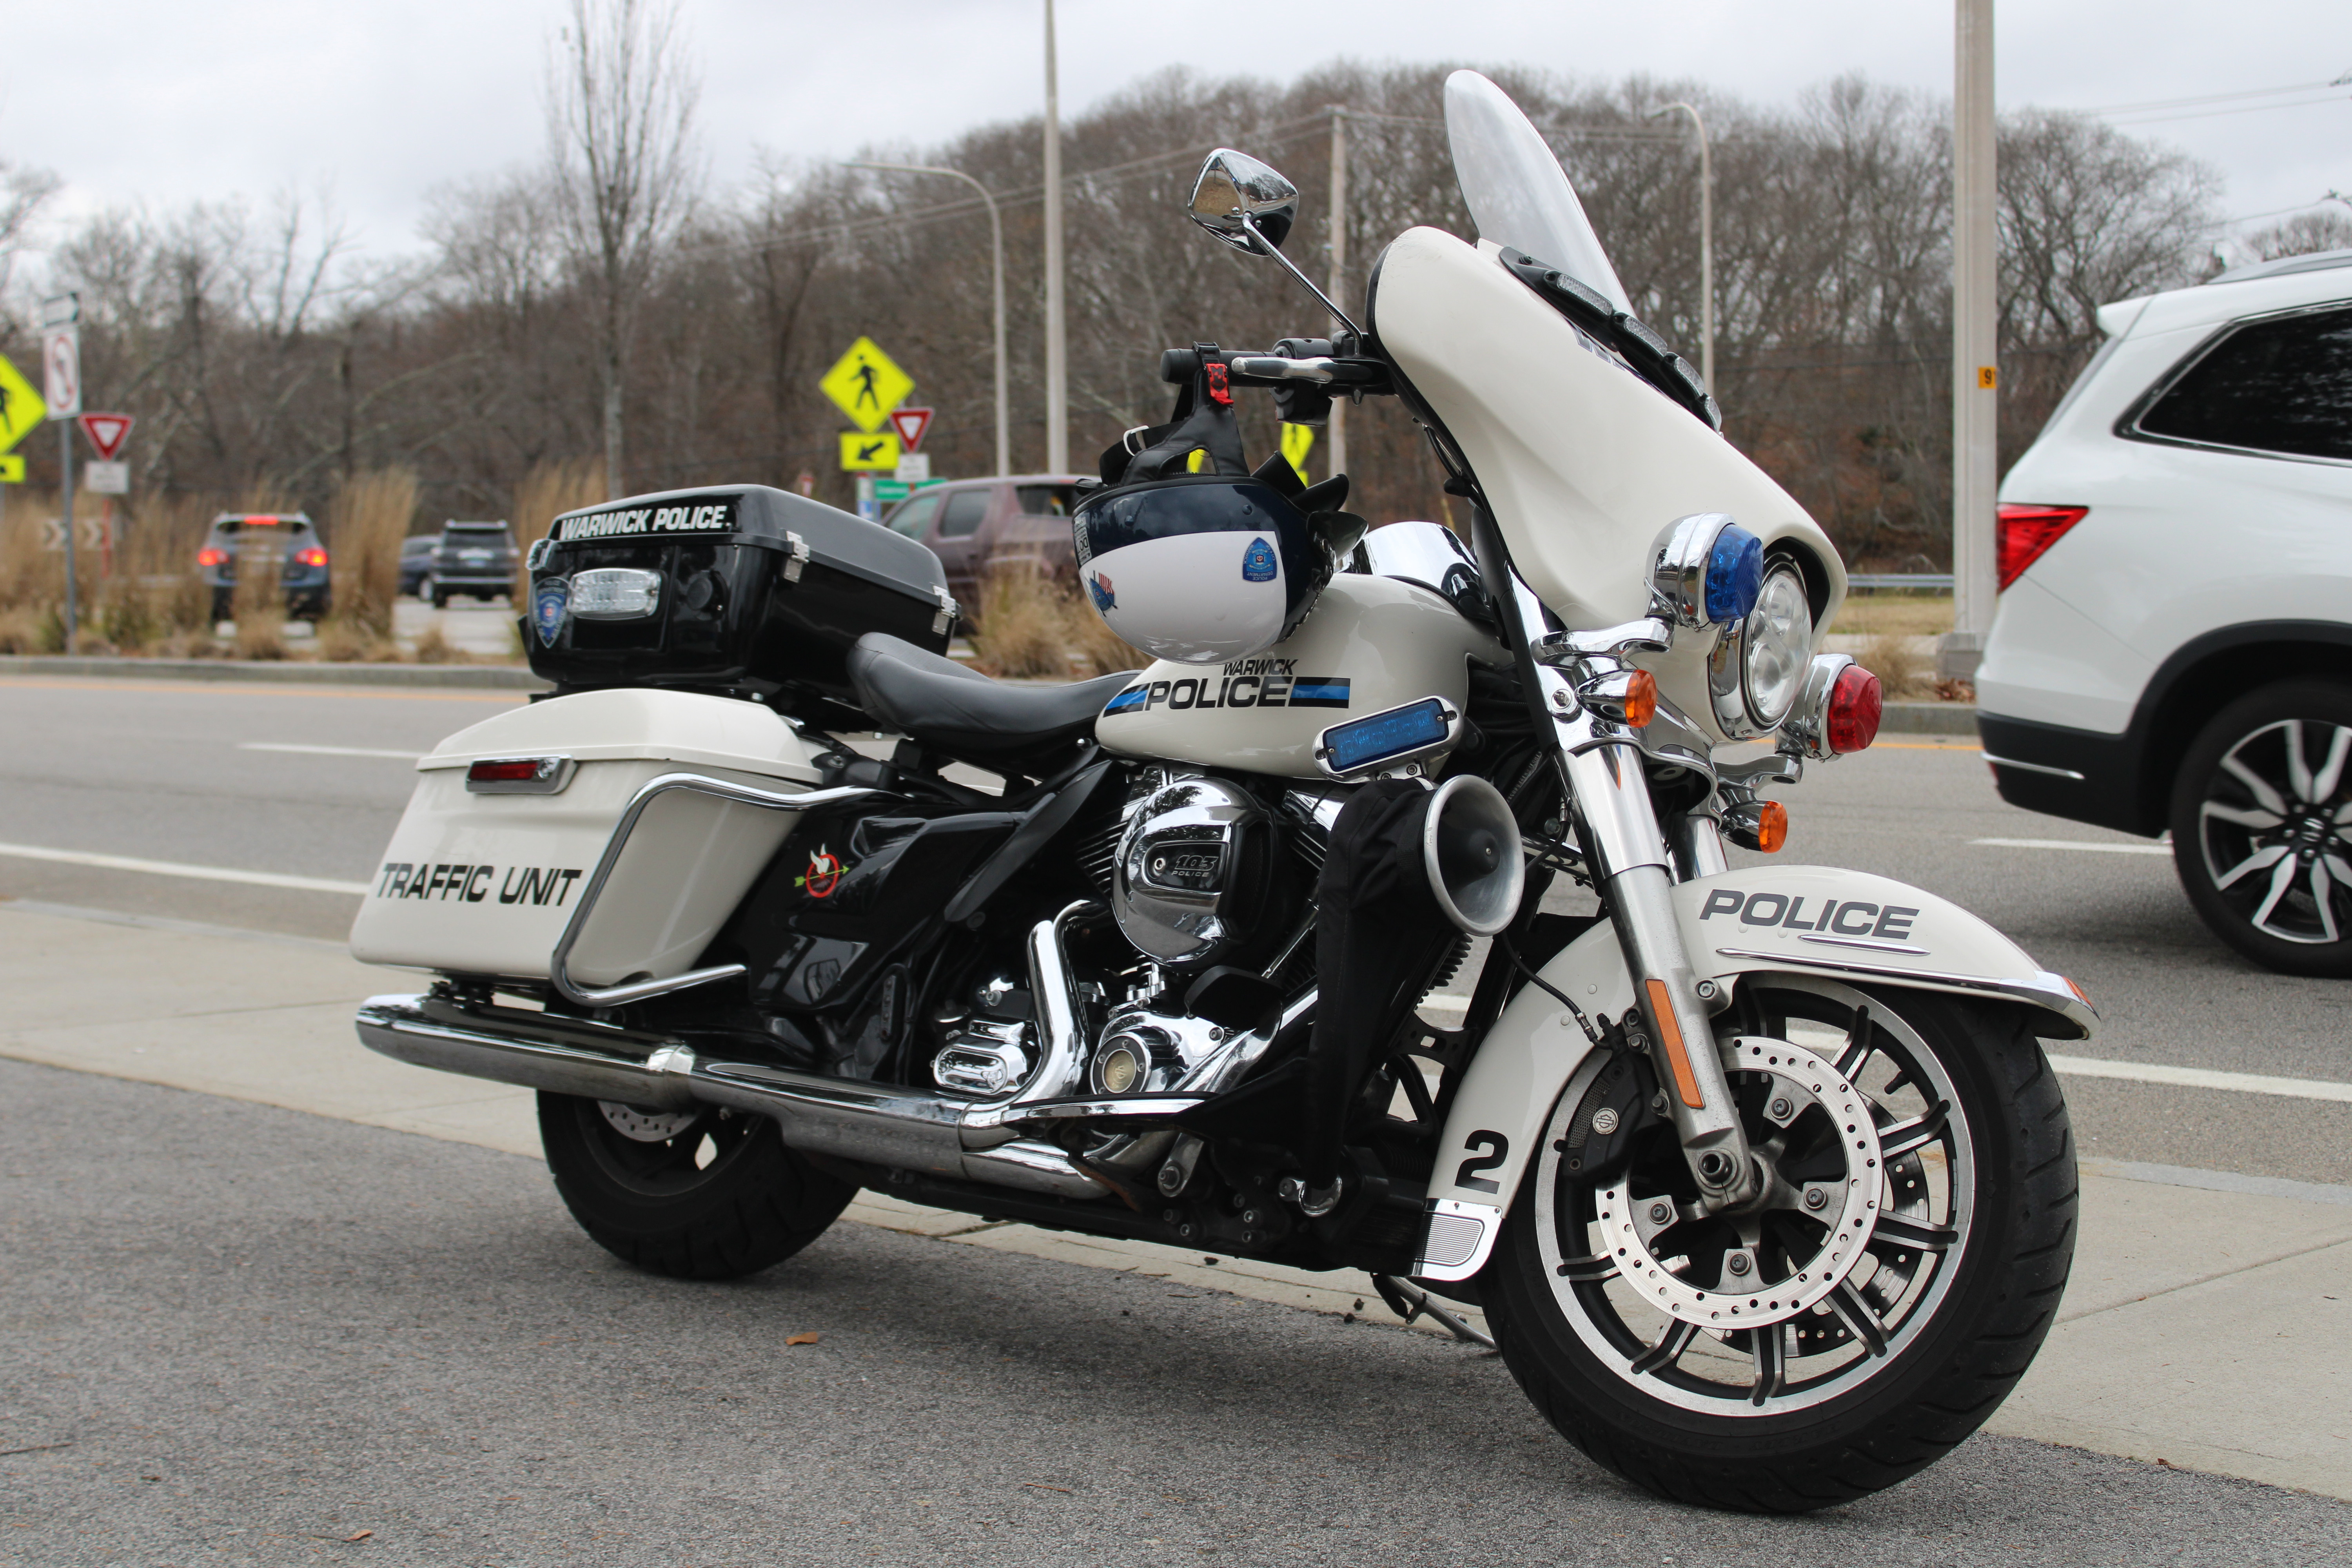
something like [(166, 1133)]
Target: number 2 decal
[(1496, 1146)]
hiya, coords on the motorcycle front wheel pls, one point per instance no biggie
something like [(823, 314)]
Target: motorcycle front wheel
[(1868, 1312), (707, 1193)]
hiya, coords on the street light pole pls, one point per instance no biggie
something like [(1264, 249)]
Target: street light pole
[(1057, 348), (1337, 425), (1706, 243), (996, 241)]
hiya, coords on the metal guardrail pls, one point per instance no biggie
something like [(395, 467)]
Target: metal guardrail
[(1917, 581)]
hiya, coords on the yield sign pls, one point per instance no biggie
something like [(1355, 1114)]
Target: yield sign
[(910, 424), (107, 432)]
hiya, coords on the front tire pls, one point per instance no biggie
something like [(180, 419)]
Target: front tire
[(2260, 834), (1900, 1278), (709, 1194)]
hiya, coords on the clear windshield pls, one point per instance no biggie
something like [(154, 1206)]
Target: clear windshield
[(1518, 195)]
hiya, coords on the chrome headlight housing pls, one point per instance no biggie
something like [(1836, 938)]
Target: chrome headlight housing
[(1759, 663)]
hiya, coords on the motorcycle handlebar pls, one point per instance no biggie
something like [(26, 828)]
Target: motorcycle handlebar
[(1291, 360)]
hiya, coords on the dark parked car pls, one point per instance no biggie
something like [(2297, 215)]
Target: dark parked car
[(235, 538), (477, 559), (415, 560), (976, 525)]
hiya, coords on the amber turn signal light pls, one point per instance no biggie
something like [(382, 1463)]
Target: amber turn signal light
[(1760, 825), (1640, 698)]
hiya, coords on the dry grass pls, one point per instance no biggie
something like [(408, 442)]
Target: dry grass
[(432, 648), (546, 493), (1903, 614), (1903, 671), (342, 641), (145, 591), (1031, 625), (370, 518)]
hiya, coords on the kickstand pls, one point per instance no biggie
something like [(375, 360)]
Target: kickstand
[(1411, 1301)]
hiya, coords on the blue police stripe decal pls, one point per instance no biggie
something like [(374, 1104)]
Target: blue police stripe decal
[(1319, 691), (1128, 700)]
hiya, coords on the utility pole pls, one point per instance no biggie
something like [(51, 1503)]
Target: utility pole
[(1337, 426), (1974, 375), (996, 240), (1706, 244), (1058, 345)]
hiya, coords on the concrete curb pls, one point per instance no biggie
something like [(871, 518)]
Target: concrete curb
[(470, 676), (1929, 718)]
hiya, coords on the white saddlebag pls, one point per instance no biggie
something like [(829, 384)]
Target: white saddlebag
[(484, 883)]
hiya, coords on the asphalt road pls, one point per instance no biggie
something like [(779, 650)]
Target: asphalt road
[(164, 771), (237, 1334)]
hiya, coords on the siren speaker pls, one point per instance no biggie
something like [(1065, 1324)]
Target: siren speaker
[(1470, 848)]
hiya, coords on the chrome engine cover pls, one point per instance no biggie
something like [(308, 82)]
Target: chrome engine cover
[(1189, 881), (1143, 1050), (987, 1059)]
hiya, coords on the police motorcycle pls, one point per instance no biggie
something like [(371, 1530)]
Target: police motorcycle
[(1759, 1175)]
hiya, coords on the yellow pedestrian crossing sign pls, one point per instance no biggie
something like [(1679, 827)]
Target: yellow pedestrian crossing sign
[(868, 385), (866, 454), (21, 407), (1297, 440)]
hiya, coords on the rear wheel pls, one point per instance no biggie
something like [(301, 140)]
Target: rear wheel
[(433, 593), (2262, 827), (706, 1194), (1866, 1313)]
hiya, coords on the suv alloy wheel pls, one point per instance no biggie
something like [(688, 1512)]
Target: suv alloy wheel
[(2262, 827)]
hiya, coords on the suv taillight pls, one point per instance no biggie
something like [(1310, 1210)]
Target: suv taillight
[(314, 556), (212, 555), (2026, 531)]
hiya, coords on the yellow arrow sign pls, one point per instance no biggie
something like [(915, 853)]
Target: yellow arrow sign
[(866, 385), (864, 454), (21, 407)]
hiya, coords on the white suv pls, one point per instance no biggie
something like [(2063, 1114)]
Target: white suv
[(2174, 646)]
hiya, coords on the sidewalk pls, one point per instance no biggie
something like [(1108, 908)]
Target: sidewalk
[(2204, 1327)]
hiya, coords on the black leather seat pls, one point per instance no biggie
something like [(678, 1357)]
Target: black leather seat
[(965, 714)]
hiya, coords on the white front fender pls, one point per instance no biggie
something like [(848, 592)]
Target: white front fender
[(1806, 920)]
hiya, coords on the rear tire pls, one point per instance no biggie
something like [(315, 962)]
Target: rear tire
[(433, 593), (2256, 835), (704, 1194), (1969, 1238)]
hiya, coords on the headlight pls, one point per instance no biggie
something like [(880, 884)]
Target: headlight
[(1759, 665)]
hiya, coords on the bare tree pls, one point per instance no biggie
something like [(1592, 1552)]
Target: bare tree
[(621, 108), (2322, 229), (22, 193)]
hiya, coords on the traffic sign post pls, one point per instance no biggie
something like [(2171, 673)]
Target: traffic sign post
[(61, 394)]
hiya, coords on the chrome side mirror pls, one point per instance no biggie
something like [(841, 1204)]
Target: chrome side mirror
[(1244, 203)]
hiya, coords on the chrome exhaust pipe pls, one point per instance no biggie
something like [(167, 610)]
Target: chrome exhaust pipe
[(879, 1124)]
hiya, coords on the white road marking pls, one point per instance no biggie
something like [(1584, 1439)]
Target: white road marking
[(326, 750), (174, 868), (2204, 1077), (2094, 846)]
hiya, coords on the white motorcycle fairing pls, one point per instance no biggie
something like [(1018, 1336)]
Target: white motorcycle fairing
[(1795, 920), (1584, 463)]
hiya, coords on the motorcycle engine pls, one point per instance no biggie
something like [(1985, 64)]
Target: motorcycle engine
[(1194, 883)]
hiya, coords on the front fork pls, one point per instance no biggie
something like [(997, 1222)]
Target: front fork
[(1602, 774), (1610, 794)]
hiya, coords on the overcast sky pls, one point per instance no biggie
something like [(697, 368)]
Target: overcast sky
[(160, 101)]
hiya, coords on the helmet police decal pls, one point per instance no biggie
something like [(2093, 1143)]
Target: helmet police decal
[(1099, 586), (1257, 562), (547, 607)]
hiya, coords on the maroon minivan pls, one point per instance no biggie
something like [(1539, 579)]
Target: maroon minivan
[(974, 525)]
